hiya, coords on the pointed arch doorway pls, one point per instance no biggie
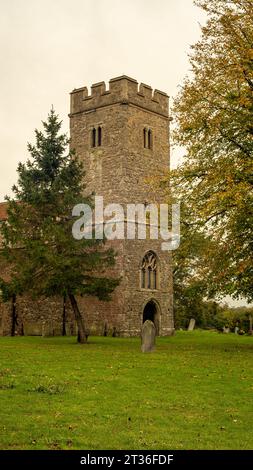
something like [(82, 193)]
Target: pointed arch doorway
[(151, 312)]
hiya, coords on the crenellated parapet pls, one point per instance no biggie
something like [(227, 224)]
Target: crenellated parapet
[(124, 90)]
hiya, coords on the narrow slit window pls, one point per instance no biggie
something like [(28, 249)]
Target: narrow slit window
[(149, 139), (93, 137), (145, 138), (99, 136)]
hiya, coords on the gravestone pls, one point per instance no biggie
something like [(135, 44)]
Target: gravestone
[(191, 324), (226, 329), (237, 330), (148, 333), (46, 329)]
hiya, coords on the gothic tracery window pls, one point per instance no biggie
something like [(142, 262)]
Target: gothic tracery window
[(149, 268)]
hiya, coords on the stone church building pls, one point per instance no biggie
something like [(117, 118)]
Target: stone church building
[(122, 137)]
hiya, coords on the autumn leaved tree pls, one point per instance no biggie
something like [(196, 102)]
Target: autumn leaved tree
[(214, 122), (44, 258)]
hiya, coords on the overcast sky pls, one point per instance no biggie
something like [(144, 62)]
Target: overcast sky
[(49, 47)]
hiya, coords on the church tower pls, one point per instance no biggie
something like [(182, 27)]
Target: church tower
[(122, 137)]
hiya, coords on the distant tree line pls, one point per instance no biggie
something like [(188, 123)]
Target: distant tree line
[(211, 314)]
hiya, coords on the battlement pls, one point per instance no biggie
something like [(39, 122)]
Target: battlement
[(124, 90)]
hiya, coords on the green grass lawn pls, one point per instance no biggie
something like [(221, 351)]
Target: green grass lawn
[(194, 392)]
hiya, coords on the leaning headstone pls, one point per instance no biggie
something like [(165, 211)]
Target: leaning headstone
[(148, 333), (191, 324), (226, 329)]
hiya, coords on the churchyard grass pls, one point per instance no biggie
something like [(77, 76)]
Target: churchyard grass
[(194, 392)]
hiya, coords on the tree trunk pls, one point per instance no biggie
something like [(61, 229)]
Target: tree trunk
[(250, 325), (64, 317), (82, 333), (13, 315)]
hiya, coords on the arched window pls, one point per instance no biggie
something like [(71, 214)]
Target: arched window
[(149, 268), (99, 136), (93, 137), (147, 138), (96, 137)]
